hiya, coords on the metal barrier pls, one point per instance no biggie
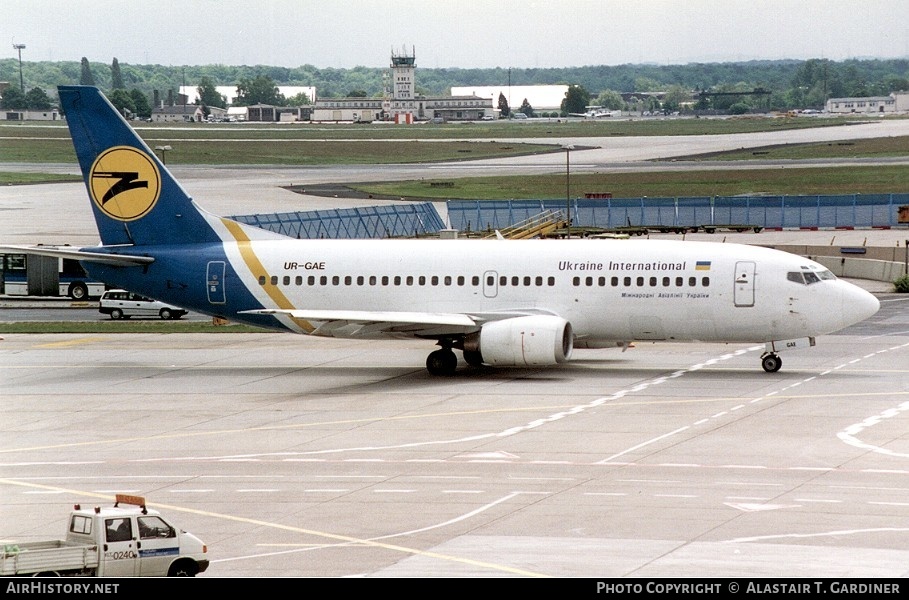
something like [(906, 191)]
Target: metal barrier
[(397, 220), (768, 212)]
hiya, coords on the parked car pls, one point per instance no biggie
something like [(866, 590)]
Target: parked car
[(121, 304)]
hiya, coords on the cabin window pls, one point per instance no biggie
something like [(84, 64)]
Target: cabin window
[(705, 281), (348, 280), (372, 280), (460, 280), (335, 280), (588, 281), (422, 280), (311, 280), (360, 280), (323, 280), (490, 280), (298, 280), (679, 282), (435, 280), (447, 280), (653, 281), (539, 280), (665, 282), (627, 281), (551, 281), (692, 281), (274, 280), (409, 280), (261, 279), (514, 281), (384, 279), (576, 281), (397, 280), (640, 282), (475, 280), (503, 280)]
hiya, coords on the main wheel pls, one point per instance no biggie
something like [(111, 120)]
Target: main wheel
[(442, 362), (771, 363)]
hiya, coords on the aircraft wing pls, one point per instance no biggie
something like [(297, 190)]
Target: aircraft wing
[(106, 258), (362, 323)]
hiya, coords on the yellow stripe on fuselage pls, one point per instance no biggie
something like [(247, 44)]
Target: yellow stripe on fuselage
[(255, 266)]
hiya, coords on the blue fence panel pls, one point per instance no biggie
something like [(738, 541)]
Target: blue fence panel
[(736, 211), (695, 212)]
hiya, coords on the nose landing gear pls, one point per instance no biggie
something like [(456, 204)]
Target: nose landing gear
[(771, 362)]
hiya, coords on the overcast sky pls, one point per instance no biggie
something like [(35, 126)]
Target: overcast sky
[(453, 33)]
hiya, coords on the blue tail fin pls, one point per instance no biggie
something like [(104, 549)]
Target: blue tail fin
[(136, 201)]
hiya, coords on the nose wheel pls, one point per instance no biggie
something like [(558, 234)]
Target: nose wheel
[(771, 362)]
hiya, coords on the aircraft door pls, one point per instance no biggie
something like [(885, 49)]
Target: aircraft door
[(215, 282), (490, 284), (744, 283)]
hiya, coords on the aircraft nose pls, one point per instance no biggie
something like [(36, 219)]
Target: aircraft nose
[(857, 304)]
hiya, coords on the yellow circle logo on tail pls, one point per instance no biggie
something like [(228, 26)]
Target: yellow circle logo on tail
[(124, 183)]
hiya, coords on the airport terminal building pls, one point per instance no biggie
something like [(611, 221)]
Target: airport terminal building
[(401, 103)]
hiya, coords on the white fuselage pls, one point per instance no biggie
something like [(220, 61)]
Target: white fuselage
[(609, 290)]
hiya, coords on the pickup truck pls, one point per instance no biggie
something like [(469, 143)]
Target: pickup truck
[(118, 541)]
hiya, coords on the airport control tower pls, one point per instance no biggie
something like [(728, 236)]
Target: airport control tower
[(402, 75)]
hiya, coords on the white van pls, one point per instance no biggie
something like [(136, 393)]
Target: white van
[(120, 304)]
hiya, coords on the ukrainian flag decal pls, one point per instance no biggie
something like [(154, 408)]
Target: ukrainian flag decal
[(702, 265)]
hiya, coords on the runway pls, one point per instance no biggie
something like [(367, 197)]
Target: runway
[(292, 456)]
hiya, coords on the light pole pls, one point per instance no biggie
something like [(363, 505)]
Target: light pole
[(20, 47), (163, 149), (568, 150)]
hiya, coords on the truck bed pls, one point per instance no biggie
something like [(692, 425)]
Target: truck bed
[(47, 556)]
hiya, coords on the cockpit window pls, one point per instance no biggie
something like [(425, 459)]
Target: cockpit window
[(810, 277)]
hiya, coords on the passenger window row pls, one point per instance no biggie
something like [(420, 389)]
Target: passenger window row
[(461, 280), (313, 280), (640, 281)]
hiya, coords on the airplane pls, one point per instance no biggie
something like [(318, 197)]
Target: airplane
[(500, 302)]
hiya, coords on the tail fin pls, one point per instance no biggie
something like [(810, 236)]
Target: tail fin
[(135, 199)]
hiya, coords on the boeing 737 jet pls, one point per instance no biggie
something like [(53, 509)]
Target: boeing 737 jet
[(498, 302)]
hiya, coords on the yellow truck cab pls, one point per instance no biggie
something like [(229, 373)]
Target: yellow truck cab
[(120, 541)]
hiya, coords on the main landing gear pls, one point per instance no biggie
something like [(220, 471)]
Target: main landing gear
[(442, 362), (771, 362)]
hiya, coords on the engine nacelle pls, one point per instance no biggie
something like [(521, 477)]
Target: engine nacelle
[(523, 341)]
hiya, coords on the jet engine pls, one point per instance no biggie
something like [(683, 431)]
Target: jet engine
[(523, 341)]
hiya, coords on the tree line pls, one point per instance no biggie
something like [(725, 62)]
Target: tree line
[(785, 84)]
